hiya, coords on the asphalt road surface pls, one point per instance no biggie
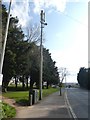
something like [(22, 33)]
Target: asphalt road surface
[(78, 99)]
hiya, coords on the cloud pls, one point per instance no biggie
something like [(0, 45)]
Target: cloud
[(58, 5), (21, 9)]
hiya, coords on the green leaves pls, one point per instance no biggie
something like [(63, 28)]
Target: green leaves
[(22, 57), (7, 111), (50, 73), (83, 77), (14, 53)]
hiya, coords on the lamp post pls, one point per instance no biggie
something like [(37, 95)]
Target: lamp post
[(4, 44), (42, 21)]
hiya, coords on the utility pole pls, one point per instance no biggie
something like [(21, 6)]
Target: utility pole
[(42, 21), (4, 44)]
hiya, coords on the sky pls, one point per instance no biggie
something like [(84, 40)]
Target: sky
[(66, 35)]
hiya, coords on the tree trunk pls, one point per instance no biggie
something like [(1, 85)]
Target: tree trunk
[(42, 85), (16, 81), (4, 87), (5, 83), (23, 85), (60, 91), (27, 81), (31, 84)]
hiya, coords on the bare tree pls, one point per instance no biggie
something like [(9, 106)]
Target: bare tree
[(62, 73), (33, 33)]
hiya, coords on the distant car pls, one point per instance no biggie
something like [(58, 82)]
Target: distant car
[(69, 86)]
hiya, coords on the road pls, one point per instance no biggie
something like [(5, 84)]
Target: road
[(78, 99)]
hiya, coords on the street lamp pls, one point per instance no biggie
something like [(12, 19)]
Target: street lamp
[(42, 21), (4, 44)]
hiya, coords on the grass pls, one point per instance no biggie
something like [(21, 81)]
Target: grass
[(7, 111), (16, 95), (49, 91), (22, 97)]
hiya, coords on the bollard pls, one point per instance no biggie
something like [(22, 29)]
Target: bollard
[(33, 97), (30, 100), (35, 93)]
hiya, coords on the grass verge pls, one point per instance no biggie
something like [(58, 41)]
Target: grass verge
[(49, 91), (22, 97)]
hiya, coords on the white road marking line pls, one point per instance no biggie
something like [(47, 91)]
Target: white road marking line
[(70, 108)]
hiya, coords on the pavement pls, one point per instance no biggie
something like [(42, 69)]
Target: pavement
[(53, 106)]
